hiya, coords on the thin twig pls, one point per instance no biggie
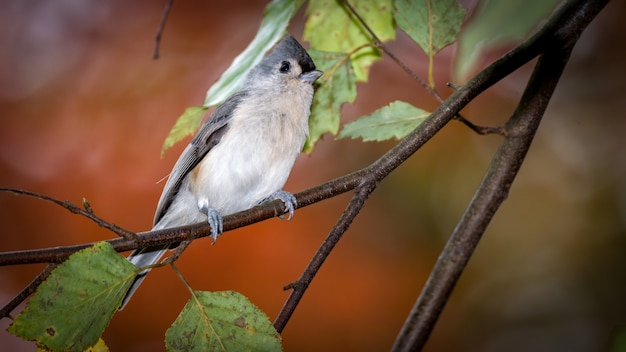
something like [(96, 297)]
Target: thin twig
[(379, 44), (482, 130), (300, 286), (182, 278), (180, 275), (177, 252), (5, 312), (86, 212), (159, 32)]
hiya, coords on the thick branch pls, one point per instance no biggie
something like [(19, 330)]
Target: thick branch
[(495, 186), (492, 192), (178, 234), (431, 90)]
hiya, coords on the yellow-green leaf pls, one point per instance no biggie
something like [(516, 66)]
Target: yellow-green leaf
[(336, 87), (100, 346), (71, 309), (432, 24), (186, 125), (331, 27), (393, 121), (221, 321)]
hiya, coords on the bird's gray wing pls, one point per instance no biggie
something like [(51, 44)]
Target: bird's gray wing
[(208, 136)]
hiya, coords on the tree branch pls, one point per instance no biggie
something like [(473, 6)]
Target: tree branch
[(494, 188), (5, 312), (431, 90), (161, 28), (492, 192), (72, 208), (299, 287), (178, 234)]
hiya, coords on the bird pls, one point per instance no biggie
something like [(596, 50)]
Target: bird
[(242, 154)]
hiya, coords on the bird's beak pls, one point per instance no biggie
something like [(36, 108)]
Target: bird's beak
[(310, 76)]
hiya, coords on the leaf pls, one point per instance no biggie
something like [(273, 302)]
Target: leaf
[(331, 27), (495, 23), (393, 121), (221, 321), (71, 309), (100, 346), (186, 125), (276, 17), (336, 87), (432, 24)]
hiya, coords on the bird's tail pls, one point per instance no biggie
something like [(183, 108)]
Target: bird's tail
[(141, 258)]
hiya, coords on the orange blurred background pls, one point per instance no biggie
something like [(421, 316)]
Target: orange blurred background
[(84, 111)]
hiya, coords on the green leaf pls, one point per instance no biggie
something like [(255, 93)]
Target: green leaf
[(276, 17), (186, 125), (495, 23), (74, 305), (336, 87), (331, 27), (393, 121), (432, 24), (221, 321)]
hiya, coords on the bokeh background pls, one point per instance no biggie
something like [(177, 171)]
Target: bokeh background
[(84, 111)]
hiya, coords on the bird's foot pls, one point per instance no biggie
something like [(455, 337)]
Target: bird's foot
[(217, 224), (288, 199)]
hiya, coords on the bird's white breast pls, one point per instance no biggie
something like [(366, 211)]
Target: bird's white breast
[(255, 156)]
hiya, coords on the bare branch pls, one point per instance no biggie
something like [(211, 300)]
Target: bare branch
[(299, 287), (5, 312), (492, 192), (495, 186), (379, 44), (86, 212), (159, 32)]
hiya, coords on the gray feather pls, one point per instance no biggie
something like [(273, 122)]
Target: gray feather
[(207, 137)]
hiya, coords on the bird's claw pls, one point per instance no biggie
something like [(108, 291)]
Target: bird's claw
[(217, 224), (288, 199)]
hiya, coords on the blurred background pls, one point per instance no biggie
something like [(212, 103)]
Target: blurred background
[(84, 110)]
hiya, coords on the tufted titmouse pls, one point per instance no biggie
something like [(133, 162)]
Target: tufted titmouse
[(244, 152)]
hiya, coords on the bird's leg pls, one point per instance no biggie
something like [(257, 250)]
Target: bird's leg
[(214, 219)]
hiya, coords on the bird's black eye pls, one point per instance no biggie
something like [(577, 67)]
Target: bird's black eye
[(284, 67)]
